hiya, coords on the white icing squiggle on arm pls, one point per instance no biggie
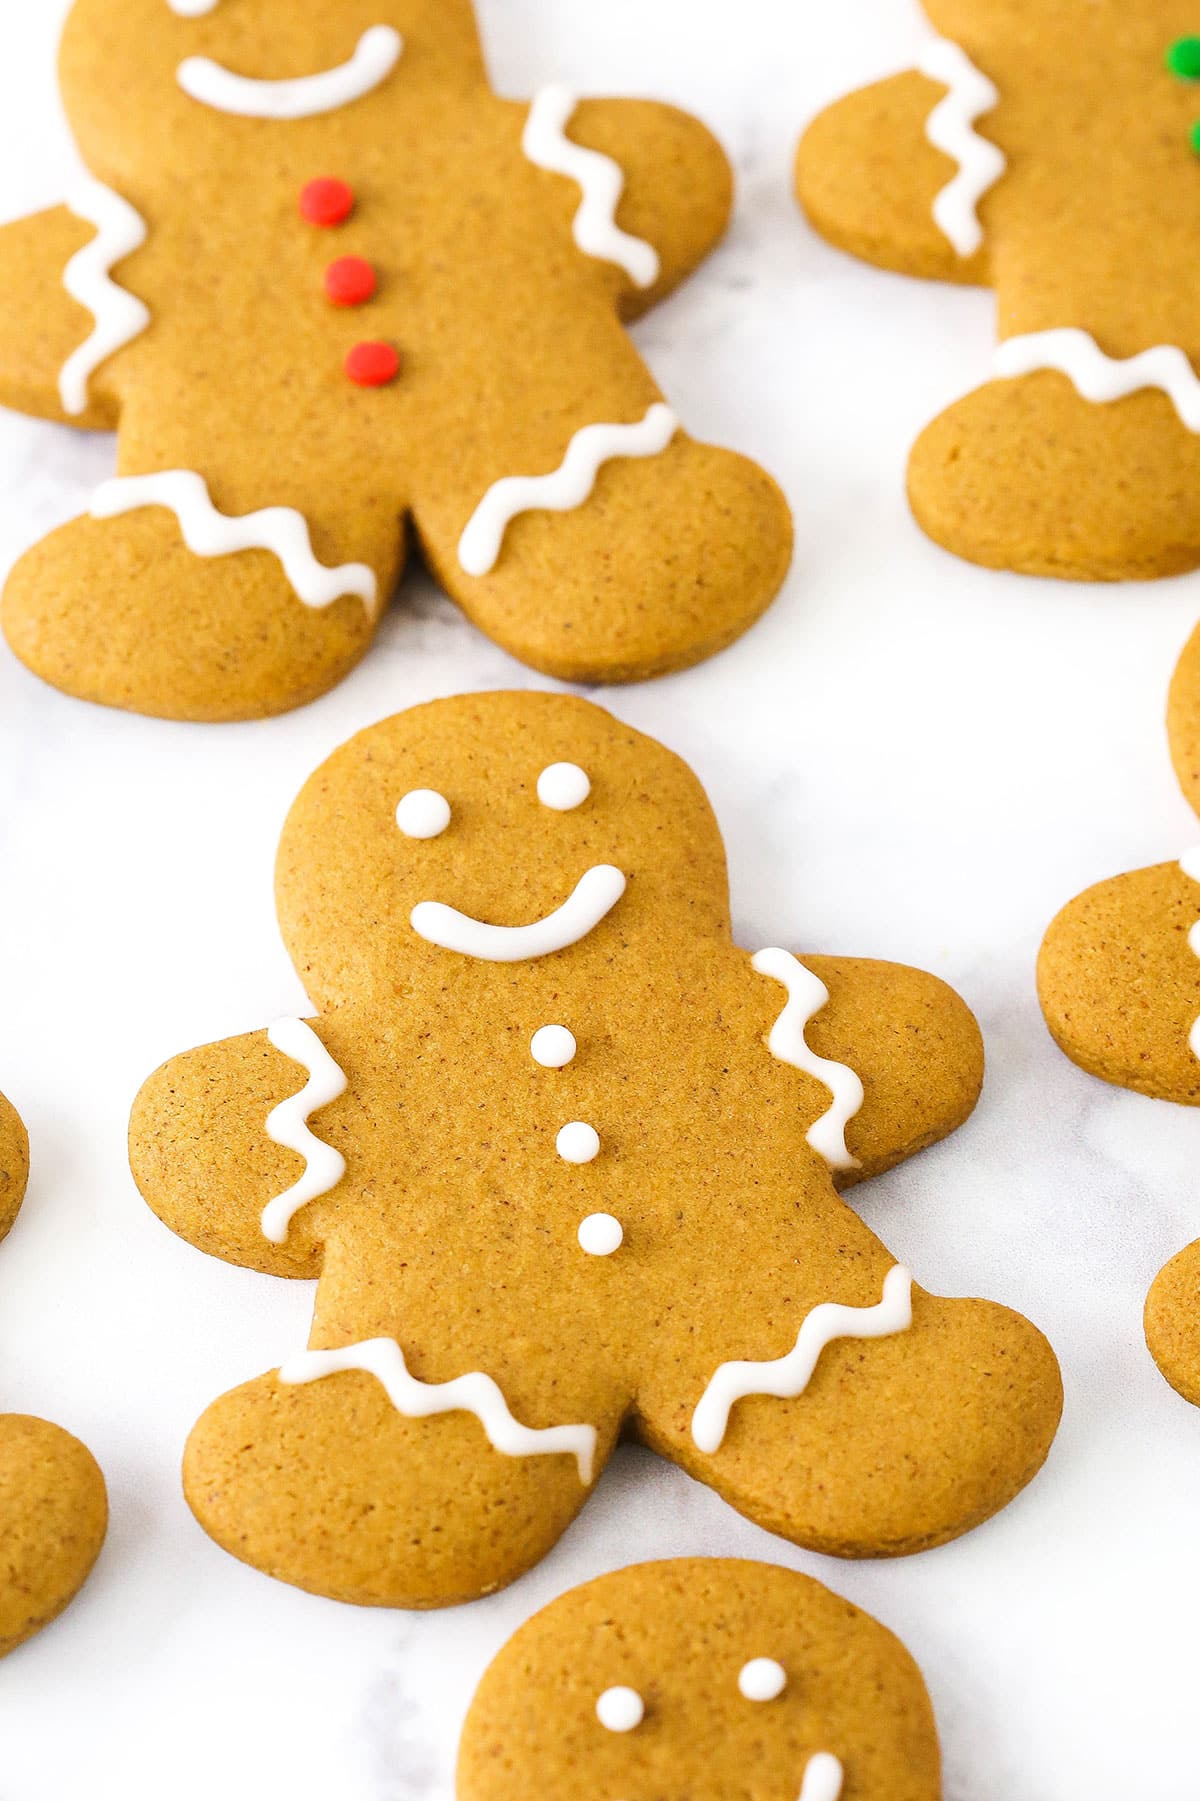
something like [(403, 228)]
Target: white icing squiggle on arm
[(476, 1393), (565, 488), (950, 129), (1190, 865), (807, 994), (545, 142), (1102, 378), (823, 1778), (208, 533), (303, 97), (288, 1125), (787, 1377), (119, 315), (595, 896)]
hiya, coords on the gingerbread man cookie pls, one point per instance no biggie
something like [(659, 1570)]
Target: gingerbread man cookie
[(326, 283), (706, 1677), (1051, 153), (566, 1163), (53, 1507)]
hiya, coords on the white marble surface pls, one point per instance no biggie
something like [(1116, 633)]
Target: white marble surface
[(910, 758)]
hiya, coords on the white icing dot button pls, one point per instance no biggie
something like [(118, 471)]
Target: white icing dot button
[(423, 814), (552, 1046), (620, 1709), (762, 1679), (578, 1142), (600, 1235), (563, 787)]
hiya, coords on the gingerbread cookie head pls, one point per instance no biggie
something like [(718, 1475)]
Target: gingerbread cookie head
[(704, 1677)]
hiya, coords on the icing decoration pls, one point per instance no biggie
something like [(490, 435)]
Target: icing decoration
[(762, 1679), (785, 1378), (823, 1778), (596, 232), (620, 1709), (373, 365), (192, 9), (1190, 865), (208, 533), (565, 488), (288, 1125), (120, 316), (1102, 378), (552, 1046), (600, 1235), (476, 1393), (423, 814), (563, 787), (351, 281), (1183, 58), (594, 897), (806, 995), (326, 201), (303, 97), (950, 129), (578, 1142)]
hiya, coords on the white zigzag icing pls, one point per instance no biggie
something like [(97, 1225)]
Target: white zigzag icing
[(120, 316), (1101, 378), (545, 142), (476, 1393), (208, 533), (564, 488), (807, 994), (950, 129), (288, 1125), (787, 1377)]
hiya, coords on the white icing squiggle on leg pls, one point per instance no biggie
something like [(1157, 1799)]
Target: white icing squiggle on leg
[(208, 533), (288, 1125), (787, 1377), (545, 142), (303, 97), (565, 488), (1102, 378), (950, 129), (807, 994), (476, 1393), (823, 1778), (1190, 865), (594, 896), (120, 316)]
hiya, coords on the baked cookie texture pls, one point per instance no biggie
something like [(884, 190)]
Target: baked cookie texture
[(705, 1677), (332, 292), (53, 1506), (1119, 984), (1046, 152), (566, 1164)]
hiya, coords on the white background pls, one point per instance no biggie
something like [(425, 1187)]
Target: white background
[(910, 758)]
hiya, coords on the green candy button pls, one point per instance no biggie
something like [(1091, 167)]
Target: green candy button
[(1183, 58)]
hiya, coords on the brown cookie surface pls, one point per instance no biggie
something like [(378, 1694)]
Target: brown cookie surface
[(706, 1677), (409, 326), (1046, 152), (565, 1160)]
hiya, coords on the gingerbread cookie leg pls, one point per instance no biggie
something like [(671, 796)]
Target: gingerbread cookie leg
[(53, 1517), (52, 347)]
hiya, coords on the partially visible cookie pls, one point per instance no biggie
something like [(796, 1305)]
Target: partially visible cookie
[(709, 1678), (53, 1506)]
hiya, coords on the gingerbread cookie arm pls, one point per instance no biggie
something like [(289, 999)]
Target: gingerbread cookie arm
[(872, 182), (226, 1150), (1172, 1322), (14, 1164)]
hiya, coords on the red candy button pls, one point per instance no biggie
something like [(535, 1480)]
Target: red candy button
[(326, 202), (351, 281), (373, 365)]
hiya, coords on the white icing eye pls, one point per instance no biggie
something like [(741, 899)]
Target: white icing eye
[(620, 1709), (552, 1046), (423, 814), (600, 1235), (563, 786), (762, 1679), (578, 1142)]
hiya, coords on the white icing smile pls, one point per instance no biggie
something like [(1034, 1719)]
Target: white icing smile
[(303, 97), (594, 898)]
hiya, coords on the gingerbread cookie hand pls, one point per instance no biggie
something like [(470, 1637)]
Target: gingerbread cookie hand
[(1069, 173), (411, 315)]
